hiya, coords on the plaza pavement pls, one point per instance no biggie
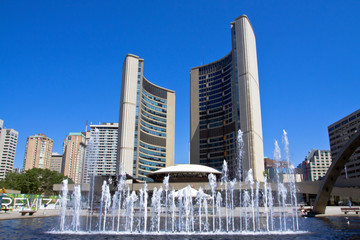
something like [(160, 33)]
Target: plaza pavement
[(336, 211)]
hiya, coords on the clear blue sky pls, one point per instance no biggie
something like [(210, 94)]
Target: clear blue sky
[(61, 63)]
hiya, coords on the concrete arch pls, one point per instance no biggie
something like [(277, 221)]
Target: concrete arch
[(333, 173)]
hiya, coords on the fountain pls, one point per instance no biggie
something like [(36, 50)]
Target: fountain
[(77, 208), (230, 206), (91, 156), (63, 204)]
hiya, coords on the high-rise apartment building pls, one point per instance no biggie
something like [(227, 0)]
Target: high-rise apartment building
[(225, 97), (73, 156), (316, 164), (105, 162), (339, 133), (8, 143), (146, 122), (38, 152), (56, 162)]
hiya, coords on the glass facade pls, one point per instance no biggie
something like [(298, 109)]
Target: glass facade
[(153, 123), (146, 123), (137, 116), (225, 97), (216, 113)]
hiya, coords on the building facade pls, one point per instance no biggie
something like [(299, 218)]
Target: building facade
[(73, 156), (146, 123), (274, 167), (18, 170), (107, 140), (8, 143), (224, 98), (316, 164), (339, 133), (56, 162), (38, 152)]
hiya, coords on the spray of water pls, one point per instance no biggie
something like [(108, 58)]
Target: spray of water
[(166, 185), (186, 214), (63, 204), (91, 162), (277, 158), (77, 208), (212, 183), (224, 182), (291, 179), (240, 154)]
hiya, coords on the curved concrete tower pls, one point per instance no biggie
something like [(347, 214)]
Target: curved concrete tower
[(146, 123), (225, 98)]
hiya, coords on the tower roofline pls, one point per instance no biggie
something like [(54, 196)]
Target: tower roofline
[(134, 56), (165, 89), (243, 16), (212, 62), (140, 59)]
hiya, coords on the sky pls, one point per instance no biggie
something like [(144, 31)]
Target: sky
[(61, 63)]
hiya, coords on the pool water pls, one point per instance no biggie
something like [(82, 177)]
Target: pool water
[(310, 228)]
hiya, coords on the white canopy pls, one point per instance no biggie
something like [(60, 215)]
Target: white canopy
[(193, 192), (188, 168)]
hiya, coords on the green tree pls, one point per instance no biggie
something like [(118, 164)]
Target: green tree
[(11, 181), (34, 181)]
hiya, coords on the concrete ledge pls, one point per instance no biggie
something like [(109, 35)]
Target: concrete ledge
[(38, 214)]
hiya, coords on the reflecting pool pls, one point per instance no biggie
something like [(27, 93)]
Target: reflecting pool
[(311, 228)]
